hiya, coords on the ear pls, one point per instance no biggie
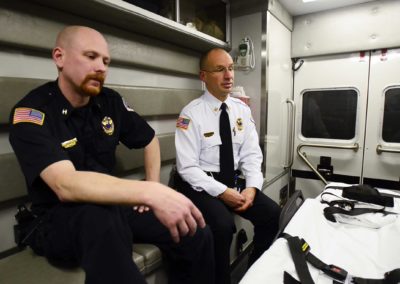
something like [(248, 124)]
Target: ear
[(202, 75), (58, 57)]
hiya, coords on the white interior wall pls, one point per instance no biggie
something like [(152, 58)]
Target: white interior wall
[(367, 26), (279, 89), (249, 26)]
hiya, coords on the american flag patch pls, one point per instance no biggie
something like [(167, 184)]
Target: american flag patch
[(182, 123), (24, 114)]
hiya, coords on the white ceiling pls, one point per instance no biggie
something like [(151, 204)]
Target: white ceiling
[(298, 7)]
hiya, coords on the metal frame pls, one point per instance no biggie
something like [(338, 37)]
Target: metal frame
[(353, 147)]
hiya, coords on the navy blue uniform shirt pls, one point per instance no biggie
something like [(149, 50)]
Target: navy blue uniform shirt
[(45, 128)]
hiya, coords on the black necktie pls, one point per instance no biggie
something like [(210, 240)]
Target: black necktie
[(227, 171)]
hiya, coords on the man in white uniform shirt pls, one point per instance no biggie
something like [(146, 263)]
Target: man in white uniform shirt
[(198, 144)]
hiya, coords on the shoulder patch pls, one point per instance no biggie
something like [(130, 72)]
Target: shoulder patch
[(128, 108), (182, 122), (30, 115)]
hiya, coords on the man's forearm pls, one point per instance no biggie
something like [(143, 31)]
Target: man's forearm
[(152, 160)]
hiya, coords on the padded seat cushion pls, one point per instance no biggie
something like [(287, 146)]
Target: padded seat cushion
[(28, 268)]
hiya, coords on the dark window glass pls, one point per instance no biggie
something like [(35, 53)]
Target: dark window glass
[(329, 114), (391, 116)]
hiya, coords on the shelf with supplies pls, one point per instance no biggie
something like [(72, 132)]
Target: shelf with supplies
[(178, 25)]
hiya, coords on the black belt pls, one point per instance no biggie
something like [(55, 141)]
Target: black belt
[(300, 251), (239, 183)]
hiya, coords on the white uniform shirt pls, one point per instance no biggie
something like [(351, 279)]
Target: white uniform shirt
[(197, 142)]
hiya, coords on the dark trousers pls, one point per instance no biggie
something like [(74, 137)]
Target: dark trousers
[(99, 239), (264, 215)]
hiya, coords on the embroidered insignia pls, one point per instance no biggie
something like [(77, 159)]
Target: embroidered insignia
[(128, 108), (108, 125), (182, 123), (69, 143), (64, 111), (239, 124), (24, 114), (208, 134)]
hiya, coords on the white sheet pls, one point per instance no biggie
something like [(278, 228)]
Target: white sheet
[(363, 252)]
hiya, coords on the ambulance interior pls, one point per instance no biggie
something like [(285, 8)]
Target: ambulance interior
[(321, 79)]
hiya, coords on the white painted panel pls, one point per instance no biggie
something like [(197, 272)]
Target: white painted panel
[(384, 74), (249, 26), (18, 64), (279, 88), (365, 26), (279, 11), (329, 72)]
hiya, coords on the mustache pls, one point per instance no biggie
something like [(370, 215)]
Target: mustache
[(96, 76)]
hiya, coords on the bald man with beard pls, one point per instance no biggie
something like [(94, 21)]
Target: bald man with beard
[(64, 134)]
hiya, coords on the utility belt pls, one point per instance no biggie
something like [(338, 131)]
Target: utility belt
[(301, 254), (29, 228), (239, 182)]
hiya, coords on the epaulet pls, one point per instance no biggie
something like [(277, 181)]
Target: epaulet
[(38, 97), (192, 104), (238, 101)]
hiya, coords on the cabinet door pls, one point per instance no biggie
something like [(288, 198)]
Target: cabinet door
[(382, 144), (330, 93), (279, 82)]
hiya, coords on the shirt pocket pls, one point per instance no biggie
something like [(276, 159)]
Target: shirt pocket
[(210, 148), (105, 151), (237, 141)]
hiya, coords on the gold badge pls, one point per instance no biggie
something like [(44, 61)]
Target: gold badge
[(208, 134), (108, 125), (239, 124)]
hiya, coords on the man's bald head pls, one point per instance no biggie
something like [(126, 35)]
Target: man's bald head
[(70, 34), (82, 58)]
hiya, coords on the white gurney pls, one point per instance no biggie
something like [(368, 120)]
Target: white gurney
[(363, 252)]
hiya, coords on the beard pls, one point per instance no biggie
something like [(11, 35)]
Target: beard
[(88, 88)]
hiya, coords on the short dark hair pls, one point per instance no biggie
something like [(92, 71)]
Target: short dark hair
[(204, 57)]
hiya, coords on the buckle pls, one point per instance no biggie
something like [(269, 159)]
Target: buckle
[(335, 272)]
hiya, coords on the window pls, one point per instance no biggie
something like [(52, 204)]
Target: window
[(391, 116), (329, 114)]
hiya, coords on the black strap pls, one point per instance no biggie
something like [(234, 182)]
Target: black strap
[(331, 210), (300, 251), (299, 258), (289, 279), (338, 274), (227, 171), (391, 277)]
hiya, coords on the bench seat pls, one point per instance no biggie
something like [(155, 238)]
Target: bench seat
[(28, 268)]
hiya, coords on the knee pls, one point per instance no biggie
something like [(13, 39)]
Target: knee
[(97, 219), (223, 229), (203, 235)]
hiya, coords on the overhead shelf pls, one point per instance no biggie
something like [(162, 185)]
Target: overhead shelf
[(128, 17)]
